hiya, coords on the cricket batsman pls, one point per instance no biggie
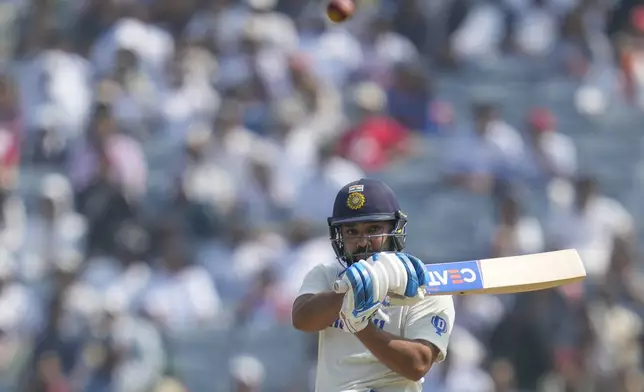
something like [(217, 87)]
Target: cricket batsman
[(382, 334)]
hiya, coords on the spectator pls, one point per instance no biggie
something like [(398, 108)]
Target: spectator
[(181, 295), (322, 104), (51, 376), (516, 233), (481, 33), (120, 155), (10, 124), (132, 357), (626, 28), (410, 21), (132, 92), (529, 17), (133, 272), (207, 192), (307, 247), (247, 373), (58, 80), (56, 226), (523, 326), (243, 256), (232, 144), (51, 145), (261, 306), (386, 49), (550, 153), (463, 372), (322, 184), (335, 54), (408, 96), (55, 355), (599, 223), (474, 158), (377, 139), (106, 209), (132, 30), (184, 100)]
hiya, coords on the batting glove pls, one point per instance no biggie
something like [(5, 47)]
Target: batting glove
[(407, 276), (365, 284), (366, 289), (356, 319)]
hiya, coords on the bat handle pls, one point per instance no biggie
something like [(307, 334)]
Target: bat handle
[(340, 286)]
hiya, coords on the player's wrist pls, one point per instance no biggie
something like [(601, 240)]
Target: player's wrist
[(369, 329)]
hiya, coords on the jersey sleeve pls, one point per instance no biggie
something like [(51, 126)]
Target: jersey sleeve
[(316, 281), (431, 320)]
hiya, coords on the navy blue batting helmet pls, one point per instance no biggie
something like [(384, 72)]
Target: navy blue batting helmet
[(366, 200)]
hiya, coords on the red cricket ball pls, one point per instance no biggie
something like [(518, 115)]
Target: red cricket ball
[(340, 10)]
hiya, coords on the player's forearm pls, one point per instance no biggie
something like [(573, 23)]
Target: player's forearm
[(408, 358), (317, 312)]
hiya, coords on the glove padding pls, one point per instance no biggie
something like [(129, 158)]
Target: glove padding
[(364, 297), (368, 281), (356, 320), (406, 276)]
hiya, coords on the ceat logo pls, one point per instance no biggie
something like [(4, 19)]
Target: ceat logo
[(451, 276)]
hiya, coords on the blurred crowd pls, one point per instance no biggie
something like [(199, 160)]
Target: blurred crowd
[(167, 167)]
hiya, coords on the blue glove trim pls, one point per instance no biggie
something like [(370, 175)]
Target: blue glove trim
[(356, 285), (412, 278), (367, 285), (421, 272)]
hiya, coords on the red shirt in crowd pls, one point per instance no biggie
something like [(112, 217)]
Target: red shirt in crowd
[(374, 142)]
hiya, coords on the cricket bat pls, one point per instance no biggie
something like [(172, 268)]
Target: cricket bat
[(503, 275)]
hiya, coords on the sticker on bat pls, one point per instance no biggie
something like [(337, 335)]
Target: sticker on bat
[(453, 277)]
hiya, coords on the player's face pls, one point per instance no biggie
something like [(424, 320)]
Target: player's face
[(365, 238)]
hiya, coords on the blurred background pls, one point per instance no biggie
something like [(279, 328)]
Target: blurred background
[(167, 167)]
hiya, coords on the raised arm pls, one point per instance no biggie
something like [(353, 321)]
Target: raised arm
[(316, 306), (315, 312)]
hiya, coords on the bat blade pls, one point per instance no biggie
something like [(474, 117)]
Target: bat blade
[(506, 275), (503, 275)]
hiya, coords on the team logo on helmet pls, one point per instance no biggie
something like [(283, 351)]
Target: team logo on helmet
[(356, 200)]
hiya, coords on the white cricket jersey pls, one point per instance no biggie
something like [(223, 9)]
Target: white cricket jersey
[(345, 365)]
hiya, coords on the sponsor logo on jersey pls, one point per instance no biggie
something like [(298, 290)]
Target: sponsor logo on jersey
[(453, 277), (440, 325)]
